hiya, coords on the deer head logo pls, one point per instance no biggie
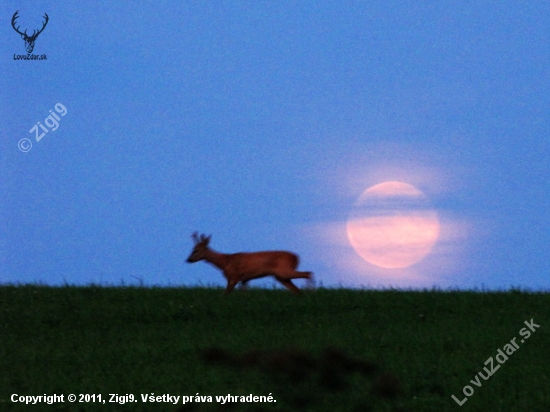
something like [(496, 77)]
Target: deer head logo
[(29, 40)]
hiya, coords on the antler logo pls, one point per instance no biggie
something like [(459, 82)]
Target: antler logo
[(29, 40)]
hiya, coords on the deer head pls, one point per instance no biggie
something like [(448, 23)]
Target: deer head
[(29, 40), (201, 246)]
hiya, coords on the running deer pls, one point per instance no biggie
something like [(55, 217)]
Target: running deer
[(242, 267)]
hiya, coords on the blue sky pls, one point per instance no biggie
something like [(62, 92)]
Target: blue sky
[(262, 123)]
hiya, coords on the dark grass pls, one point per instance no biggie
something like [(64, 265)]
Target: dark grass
[(132, 340)]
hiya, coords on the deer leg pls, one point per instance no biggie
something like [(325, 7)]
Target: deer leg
[(289, 285), (230, 285), (302, 275), (244, 285)]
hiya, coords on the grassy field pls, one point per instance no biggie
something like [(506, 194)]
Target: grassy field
[(327, 350)]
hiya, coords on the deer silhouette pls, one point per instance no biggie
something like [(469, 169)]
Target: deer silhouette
[(29, 40), (242, 267)]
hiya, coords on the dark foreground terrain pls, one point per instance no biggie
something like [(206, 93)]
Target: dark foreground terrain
[(327, 350)]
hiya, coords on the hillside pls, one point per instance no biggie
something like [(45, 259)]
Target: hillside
[(329, 349)]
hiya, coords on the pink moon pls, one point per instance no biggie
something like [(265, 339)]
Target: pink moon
[(392, 225)]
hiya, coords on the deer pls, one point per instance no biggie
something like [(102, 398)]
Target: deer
[(29, 40), (242, 267)]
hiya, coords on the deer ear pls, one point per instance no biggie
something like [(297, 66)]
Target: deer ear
[(207, 240), (195, 237)]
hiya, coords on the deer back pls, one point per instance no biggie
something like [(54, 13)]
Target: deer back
[(261, 262)]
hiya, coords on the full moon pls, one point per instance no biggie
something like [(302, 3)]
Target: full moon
[(392, 225)]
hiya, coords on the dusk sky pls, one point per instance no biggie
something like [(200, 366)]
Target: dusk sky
[(263, 123)]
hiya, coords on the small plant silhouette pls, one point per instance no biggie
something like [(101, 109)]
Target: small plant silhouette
[(302, 381)]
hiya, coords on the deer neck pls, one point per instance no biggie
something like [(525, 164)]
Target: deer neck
[(217, 259)]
